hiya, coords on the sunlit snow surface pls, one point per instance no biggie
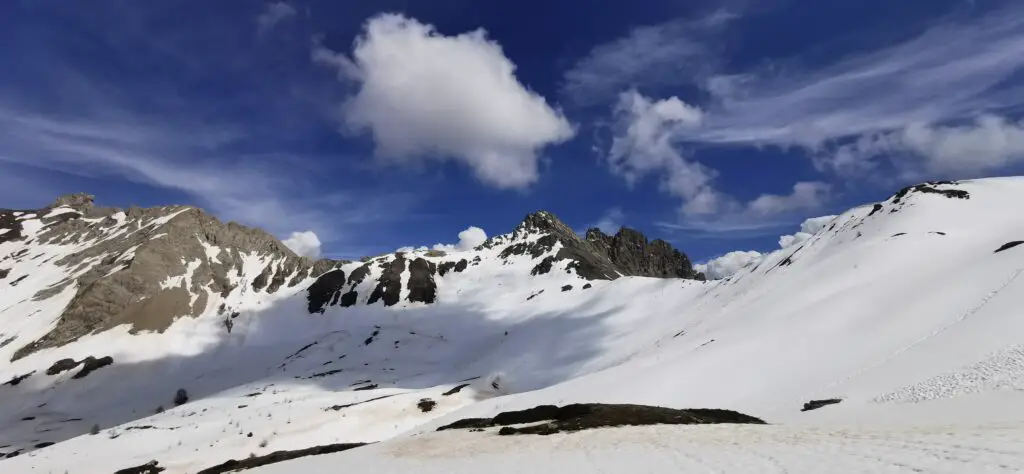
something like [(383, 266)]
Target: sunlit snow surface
[(909, 316)]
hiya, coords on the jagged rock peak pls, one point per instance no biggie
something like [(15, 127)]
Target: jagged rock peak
[(76, 201), (544, 221), (633, 254), (541, 220), (595, 233), (602, 256)]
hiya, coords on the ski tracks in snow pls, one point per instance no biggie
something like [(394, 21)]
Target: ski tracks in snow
[(963, 317)]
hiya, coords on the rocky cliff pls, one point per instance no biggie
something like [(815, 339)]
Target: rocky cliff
[(139, 267)]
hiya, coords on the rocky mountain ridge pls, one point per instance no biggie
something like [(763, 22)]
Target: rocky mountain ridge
[(540, 238), (147, 267), (141, 267)]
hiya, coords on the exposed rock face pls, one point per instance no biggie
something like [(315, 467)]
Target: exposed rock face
[(389, 286), (633, 255), (932, 187), (10, 227), (325, 291), (603, 257), (422, 287), (79, 201), (541, 237), (147, 267)]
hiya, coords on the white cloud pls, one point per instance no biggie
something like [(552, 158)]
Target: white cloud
[(306, 244), (643, 145), (806, 195), (728, 264), (989, 142), (469, 238), (611, 221), (807, 230), (657, 53), (426, 95), (273, 13)]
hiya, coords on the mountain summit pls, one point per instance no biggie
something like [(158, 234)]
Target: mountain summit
[(141, 268)]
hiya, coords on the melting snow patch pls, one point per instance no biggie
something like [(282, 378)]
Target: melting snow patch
[(29, 227), (57, 211), (212, 251)]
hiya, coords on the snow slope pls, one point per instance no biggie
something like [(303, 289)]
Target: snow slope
[(903, 309), (714, 448)]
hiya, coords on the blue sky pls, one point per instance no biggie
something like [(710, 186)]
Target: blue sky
[(717, 125)]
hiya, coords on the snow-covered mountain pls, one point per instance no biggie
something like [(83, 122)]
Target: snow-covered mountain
[(890, 339)]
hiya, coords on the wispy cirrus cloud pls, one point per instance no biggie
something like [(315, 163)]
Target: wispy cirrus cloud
[(656, 53), (272, 14), (182, 107), (264, 191), (988, 142), (904, 97), (952, 70), (947, 101)]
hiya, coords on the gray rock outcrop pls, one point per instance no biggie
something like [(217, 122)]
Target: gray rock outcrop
[(595, 257), (120, 263)]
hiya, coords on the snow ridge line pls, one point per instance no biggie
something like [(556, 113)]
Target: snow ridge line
[(970, 312)]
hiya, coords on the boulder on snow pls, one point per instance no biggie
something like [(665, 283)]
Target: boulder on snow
[(90, 364), (816, 404), (62, 365), (1009, 245), (584, 416), (152, 467), (456, 389), (17, 379), (276, 457)]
